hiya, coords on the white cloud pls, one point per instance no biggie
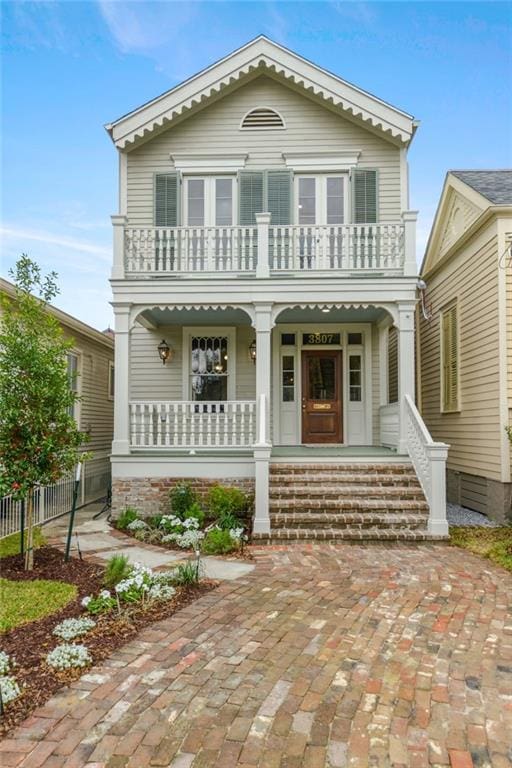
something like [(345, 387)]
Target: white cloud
[(142, 27), (47, 238)]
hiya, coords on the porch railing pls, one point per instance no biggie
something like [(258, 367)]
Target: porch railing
[(192, 424), (429, 460), (182, 250), (341, 247), (291, 249)]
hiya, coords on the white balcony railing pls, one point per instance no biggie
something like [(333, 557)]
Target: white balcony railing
[(342, 247), (192, 424), (271, 249), (183, 250)]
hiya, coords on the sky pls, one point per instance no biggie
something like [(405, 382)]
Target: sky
[(68, 68)]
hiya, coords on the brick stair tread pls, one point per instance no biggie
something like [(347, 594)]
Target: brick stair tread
[(346, 518), (343, 491), (342, 479), (370, 505), (347, 534), (363, 467)]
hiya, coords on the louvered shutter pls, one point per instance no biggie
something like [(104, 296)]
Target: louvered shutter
[(364, 196), (167, 199), (279, 197), (250, 196), (450, 359)]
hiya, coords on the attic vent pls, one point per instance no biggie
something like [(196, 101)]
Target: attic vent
[(262, 117)]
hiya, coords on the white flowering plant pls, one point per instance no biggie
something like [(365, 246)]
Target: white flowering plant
[(189, 539), (68, 656), (6, 663), (9, 688), (136, 586), (137, 525), (71, 628), (101, 603)]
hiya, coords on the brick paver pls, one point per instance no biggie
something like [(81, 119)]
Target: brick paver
[(323, 656)]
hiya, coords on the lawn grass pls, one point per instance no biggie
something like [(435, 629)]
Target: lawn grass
[(11, 544), (492, 543), (24, 601)]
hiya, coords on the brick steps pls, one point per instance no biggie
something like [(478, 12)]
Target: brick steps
[(345, 502)]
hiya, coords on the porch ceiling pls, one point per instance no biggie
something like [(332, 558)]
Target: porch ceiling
[(342, 315), (167, 316)]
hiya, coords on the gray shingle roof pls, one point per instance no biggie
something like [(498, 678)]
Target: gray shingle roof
[(496, 185)]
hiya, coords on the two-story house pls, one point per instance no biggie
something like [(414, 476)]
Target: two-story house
[(264, 288)]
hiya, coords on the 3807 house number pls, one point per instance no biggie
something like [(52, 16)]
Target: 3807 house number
[(310, 339)]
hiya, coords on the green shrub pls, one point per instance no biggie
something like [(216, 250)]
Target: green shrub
[(219, 542), (154, 521), (228, 521), (125, 518), (118, 567), (186, 573), (223, 501), (195, 511), (181, 498)]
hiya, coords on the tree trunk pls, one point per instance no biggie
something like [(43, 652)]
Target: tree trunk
[(29, 547)]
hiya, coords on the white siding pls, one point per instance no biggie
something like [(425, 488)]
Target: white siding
[(309, 127)]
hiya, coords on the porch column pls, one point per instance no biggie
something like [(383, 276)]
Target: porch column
[(263, 445), (263, 264), (406, 373), (121, 442)]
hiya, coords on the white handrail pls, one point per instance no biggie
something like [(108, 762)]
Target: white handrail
[(192, 424), (429, 460)]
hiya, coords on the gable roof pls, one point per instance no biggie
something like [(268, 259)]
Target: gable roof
[(260, 56), (496, 185), (472, 195)]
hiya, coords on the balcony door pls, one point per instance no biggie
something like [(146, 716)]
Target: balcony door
[(209, 201), (321, 199), (321, 397)]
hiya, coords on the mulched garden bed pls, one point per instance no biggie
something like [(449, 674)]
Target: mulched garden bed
[(30, 643)]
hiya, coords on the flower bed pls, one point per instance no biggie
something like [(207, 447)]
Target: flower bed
[(41, 656), (215, 529)]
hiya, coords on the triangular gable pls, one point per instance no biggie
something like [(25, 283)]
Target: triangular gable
[(257, 57), (459, 207)]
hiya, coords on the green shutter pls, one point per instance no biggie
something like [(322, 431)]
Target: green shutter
[(364, 196), (279, 197), (250, 196), (167, 199), (450, 359)]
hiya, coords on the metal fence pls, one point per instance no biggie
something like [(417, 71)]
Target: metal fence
[(50, 501)]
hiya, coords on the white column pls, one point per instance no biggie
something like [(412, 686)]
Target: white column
[(263, 445), (437, 523), (406, 373), (263, 265), (118, 224), (409, 219), (121, 442)]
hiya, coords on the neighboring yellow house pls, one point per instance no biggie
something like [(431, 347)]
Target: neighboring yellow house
[(464, 343), (92, 357)]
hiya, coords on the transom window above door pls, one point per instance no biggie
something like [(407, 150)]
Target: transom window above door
[(321, 199), (209, 201)]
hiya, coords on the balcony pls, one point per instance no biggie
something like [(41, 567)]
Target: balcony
[(265, 250)]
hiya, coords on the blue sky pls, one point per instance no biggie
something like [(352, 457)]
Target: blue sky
[(68, 68)]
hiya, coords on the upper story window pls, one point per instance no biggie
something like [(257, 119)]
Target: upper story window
[(262, 118), (449, 359)]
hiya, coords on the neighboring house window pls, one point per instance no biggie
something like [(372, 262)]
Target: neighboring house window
[(72, 360), (209, 368), (111, 381), (392, 365), (262, 118), (449, 359)]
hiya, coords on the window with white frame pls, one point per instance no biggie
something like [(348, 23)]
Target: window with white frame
[(73, 373), (209, 201), (321, 199), (355, 379), (288, 378), (209, 368)]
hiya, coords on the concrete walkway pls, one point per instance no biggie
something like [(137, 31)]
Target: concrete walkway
[(324, 656), (98, 541)]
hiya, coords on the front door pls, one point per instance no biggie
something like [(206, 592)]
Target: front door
[(321, 397)]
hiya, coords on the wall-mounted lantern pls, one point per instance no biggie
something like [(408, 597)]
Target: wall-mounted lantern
[(252, 351), (164, 351)]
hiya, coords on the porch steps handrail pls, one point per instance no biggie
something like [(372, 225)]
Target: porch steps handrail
[(429, 461), (192, 424)]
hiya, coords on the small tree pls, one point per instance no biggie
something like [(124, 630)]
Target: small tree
[(39, 438)]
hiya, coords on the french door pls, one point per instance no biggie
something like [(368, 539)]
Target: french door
[(321, 202), (209, 201)]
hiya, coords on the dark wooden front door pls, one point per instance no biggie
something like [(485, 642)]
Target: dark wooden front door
[(321, 397)]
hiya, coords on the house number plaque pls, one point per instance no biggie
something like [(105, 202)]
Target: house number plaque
[(310, 339)]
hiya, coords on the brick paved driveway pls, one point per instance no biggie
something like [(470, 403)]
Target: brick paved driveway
[(323, 656)]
